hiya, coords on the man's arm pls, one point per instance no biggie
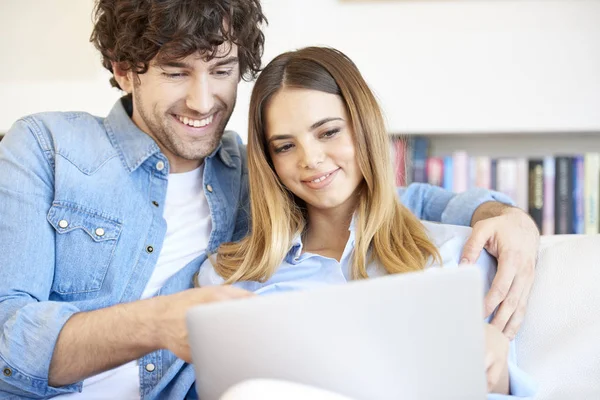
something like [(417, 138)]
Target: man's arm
[(96, 341), (506, 232), (47, 347)]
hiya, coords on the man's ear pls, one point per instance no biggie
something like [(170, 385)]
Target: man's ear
[(123, 77)]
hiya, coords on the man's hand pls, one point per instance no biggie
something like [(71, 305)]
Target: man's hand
[(510, 235), (496, 360), (172, 309)]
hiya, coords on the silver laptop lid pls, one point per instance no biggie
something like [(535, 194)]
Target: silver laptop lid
[(409, 336)]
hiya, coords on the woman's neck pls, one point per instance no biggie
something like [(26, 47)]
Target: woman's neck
[(327, 231)]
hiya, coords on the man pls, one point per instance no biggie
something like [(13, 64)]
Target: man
[(106, 220)]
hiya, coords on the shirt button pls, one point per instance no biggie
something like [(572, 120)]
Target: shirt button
[(155, 203), (160, 165), (7, 372), (209, 188), (99, 231), (150, 367), (149, 249), (63, 223)]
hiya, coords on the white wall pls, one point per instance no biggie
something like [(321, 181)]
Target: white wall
[(436, 66)]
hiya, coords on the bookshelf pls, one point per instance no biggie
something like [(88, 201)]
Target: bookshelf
[(555, 176)]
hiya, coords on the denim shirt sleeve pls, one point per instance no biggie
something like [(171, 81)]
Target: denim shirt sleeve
[(432, 203), (28, 320)]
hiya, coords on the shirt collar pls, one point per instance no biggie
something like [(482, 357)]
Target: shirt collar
[(295, 251), (133, 144)]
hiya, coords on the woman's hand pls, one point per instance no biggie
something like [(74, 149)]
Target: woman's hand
[(496, 360)]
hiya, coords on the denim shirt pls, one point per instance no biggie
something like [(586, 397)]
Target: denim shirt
[(81, 228), (305, 271)]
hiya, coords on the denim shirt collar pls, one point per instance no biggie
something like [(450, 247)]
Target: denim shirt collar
[(295, 251), (134, 145)]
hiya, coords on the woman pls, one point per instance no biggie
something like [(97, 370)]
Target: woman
[(323, 202)]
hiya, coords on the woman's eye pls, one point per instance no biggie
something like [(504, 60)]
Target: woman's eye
[(283, 148), (330, 133)]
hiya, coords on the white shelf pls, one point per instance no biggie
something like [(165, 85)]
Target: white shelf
[(515, 144)]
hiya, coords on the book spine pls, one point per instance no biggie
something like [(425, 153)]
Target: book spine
[(448, 174), (563, 214), (578, 181), (591, 192), (420, 153), (536, 192), (435, 171), (460, 171), (549, 201)]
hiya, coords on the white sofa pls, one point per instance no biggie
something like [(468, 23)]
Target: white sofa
[(559, 342)]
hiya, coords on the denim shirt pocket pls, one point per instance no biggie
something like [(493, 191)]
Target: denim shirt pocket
[(85, 244)]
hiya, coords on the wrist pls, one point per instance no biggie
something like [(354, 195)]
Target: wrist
[(491, 209), (149, 314)]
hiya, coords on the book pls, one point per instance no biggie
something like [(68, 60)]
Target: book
[(419, 159), (591, 191), (522, 183), (435, 171), (536, 191), (448, 181), (549, 183), (578, 182), (506, 177), (483, 172), (563, 195), (460, 171)]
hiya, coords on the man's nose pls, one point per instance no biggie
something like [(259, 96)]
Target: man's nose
[(200, 96)]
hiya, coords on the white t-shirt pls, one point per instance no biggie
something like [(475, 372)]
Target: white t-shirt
[(189, 224)]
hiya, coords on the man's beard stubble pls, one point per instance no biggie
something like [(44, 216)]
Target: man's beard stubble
[(162, 131)]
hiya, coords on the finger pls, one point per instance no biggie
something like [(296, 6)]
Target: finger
[(501, 284), (493, 375), (509, 304), (515, 321), (476, 242)]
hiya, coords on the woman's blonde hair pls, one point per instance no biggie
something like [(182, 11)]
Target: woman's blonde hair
[(395, 237)]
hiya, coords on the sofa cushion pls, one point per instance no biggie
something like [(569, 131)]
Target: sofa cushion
[(559, 342)]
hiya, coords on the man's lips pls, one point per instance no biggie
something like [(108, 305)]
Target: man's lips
[(195, 122)]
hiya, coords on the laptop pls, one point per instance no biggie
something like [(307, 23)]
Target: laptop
[(408, 336)]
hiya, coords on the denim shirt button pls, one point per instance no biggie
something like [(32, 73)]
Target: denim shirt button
[(150, 367), (149, 249), (100, 232), (209, 188), (160, 165), (7, 372), (63, 223)]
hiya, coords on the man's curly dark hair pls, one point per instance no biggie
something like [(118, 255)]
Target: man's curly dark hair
[(133, 32)]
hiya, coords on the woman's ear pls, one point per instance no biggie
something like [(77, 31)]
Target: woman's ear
[(124, 77)]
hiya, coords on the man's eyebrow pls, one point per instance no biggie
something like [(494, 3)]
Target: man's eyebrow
[(226, 61), (175, 64)]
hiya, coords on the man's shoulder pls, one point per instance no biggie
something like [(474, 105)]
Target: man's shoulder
[(78, 136), (66, 125)]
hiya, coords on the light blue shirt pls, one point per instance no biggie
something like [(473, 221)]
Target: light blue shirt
[(303, 271), (81, 228)]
